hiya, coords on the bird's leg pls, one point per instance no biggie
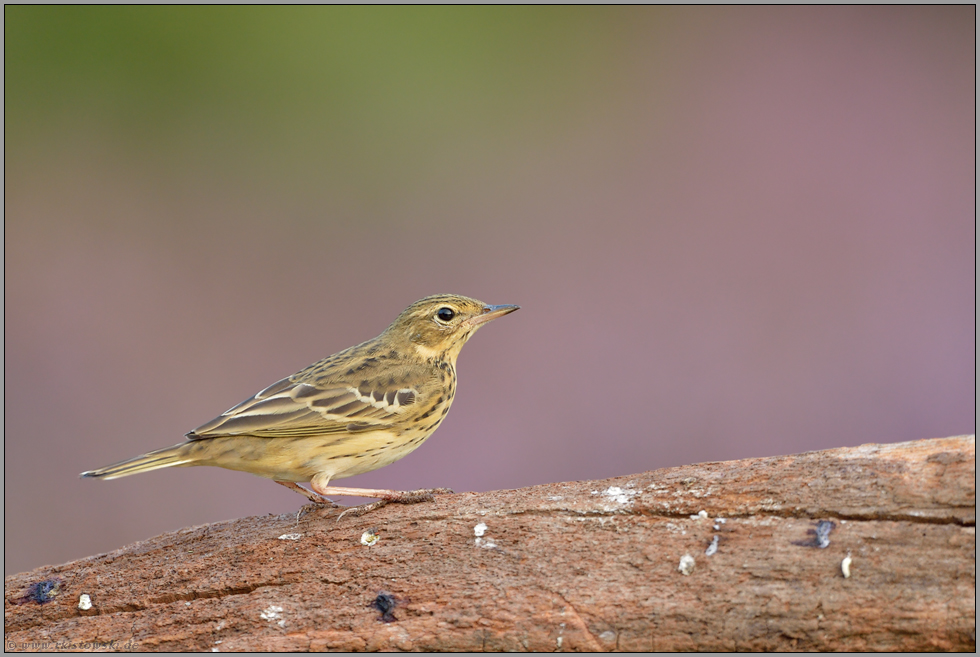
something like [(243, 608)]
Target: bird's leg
[(401, 496), (385, 496), (310, 495)]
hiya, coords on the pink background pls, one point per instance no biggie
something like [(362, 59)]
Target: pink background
[(732, 232)]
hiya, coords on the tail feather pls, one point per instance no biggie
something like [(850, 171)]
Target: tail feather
[(161, 458)]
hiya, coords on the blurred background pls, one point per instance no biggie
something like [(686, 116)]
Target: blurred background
[(733, 232)]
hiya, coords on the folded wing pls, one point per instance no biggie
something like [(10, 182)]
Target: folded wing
[(290, 409)]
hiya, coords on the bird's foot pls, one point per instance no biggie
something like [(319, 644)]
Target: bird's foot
[(317, 501), (389, 496), (314, 506), (360, 510)]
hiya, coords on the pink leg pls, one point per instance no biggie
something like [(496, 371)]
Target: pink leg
[(310, 495), (384, 496), (402, 496)]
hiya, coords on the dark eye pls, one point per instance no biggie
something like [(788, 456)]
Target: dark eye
[(445, 314)]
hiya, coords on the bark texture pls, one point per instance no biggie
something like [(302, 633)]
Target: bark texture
[(593, 565)]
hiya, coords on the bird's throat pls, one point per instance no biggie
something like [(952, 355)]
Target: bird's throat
[(427, 353)]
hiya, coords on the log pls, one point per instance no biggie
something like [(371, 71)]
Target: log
[(863, 548)]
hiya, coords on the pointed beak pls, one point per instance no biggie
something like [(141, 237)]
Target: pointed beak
[(490, 313)]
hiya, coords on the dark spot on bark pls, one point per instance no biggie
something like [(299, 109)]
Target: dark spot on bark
[(40, 592), (821, 535), (385, 603)]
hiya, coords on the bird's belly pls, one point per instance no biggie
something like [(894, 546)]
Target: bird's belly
[(300, 459)]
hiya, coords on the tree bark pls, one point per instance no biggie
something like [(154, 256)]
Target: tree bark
[(593, 565)]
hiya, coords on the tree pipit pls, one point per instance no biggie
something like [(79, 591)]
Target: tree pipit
[(358, 410)]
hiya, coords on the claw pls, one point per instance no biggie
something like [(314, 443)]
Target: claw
[(355, 511), (397, 497), (315, 506)]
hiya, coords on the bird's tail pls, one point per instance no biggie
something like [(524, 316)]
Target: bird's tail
[(161, 458)]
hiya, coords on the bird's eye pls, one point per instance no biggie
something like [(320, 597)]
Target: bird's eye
[(445, 314)]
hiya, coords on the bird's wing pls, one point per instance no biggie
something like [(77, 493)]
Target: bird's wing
[(292, 408)]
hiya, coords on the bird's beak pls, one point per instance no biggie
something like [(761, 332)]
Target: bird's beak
[(490, 313)]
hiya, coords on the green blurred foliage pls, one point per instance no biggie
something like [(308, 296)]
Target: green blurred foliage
[(359, 93)]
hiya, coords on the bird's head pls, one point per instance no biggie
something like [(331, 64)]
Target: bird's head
[(438, 326)]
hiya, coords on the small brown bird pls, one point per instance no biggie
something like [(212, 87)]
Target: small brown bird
[(358, 410)]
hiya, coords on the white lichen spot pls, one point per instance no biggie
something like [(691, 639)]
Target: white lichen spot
[(712, 548), (824, 527), (290, 537), (620, 495), (479, 531), (271, 613), (555, 498), (608, 637), (84, 602), (558, 642), (845, 567), (617, 497), (370, 537), (282, 623), (686, 566)]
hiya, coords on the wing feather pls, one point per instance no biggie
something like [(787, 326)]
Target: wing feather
[(296, 409)]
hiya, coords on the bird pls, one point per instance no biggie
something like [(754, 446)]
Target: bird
[(353, 412)]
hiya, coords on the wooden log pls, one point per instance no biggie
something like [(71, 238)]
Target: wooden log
[(864, 548)]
